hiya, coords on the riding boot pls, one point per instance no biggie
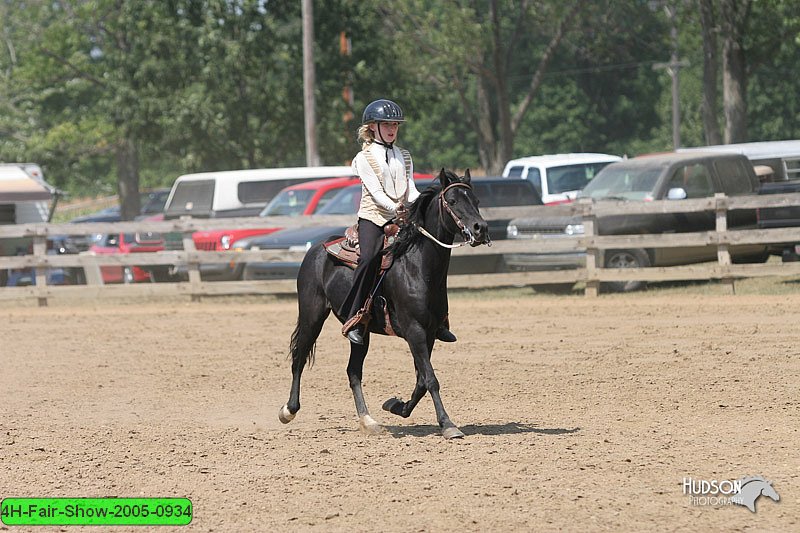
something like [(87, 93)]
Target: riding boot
[(445, 335), (356, 335)]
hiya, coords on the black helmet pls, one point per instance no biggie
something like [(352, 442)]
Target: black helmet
[(382, 111)]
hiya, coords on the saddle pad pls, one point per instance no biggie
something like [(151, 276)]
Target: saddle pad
[(339, 249)]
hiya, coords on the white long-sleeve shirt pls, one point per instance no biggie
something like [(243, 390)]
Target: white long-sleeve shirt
[(380, 194)]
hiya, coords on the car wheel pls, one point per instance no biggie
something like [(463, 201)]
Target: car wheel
[(127, 275), (625, 259)]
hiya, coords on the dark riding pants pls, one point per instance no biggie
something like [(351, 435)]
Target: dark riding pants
[(370, 243)]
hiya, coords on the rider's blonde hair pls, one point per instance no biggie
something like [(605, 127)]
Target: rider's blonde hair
[(365, 135)]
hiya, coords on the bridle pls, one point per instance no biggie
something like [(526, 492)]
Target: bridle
[(469, 238)]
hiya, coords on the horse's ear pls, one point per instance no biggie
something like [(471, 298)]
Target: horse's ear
[(467, 177), (443, 178)]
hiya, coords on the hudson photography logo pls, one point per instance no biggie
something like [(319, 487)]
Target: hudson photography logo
[(718, 493)]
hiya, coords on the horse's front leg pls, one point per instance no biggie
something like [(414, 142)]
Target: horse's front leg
[(421, 346), (355, 369), (398, 407)]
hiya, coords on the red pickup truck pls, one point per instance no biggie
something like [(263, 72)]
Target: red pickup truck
[(127, 243)]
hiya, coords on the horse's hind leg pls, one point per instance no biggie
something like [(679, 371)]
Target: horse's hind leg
[(313, 312), (355, 369)]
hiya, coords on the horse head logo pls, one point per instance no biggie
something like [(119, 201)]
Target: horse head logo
[(752, 488)]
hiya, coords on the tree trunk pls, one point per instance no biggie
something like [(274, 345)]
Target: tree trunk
[(709, 105), (127, 158), (734, 79), (487, 138)]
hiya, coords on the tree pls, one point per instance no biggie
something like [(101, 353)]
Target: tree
[(708, 26), (733, 20), (471, 51)]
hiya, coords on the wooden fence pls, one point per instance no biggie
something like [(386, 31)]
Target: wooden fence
[(590, 243)]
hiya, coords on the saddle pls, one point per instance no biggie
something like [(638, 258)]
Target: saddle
[(346, 249)]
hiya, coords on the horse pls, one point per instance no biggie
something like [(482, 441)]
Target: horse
[(752, 488), (413, 291)]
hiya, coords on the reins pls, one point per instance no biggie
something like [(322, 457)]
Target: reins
[(469, 238)]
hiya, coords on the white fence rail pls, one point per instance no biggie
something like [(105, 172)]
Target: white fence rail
[(590, 243)]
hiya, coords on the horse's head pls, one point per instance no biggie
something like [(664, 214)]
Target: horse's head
[(459, 201), (769, 491)]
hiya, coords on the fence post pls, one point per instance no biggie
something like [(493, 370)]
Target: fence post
[(723, 253), (40, 253), (592, 253), (192, 266)]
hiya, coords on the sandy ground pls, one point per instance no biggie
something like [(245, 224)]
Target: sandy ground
[(579, 414)]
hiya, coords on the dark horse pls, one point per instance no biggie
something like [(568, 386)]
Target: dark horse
[(414, 289)]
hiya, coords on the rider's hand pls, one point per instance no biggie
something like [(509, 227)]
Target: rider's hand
[(401, 213)]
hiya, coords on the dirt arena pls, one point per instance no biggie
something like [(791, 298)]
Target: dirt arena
[(579, 414)]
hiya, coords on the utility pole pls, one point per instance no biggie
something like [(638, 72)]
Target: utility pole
[(309, 82), (673, 68)]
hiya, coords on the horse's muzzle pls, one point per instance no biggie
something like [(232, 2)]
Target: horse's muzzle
[(478, 235)]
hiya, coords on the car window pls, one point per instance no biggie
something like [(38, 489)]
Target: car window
[(326, 197), (250, 192), (288, 203), (507, 194), (192, 197), (153, 202), (571, 177), (535, 177), (623, 181), (346, 202), (515, 172), (695, 179), (734, 175)]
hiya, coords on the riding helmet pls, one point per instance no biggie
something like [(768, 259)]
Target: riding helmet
[(382, 111)]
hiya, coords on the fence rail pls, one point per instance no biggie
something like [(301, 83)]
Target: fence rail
[(588, 243)]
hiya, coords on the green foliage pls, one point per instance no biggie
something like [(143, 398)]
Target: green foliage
[(217, 84)]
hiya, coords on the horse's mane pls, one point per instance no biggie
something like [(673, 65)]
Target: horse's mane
[(416, 216)]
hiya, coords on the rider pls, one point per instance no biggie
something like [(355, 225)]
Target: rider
[(386, 173)]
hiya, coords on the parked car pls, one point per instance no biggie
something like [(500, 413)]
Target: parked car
[(291, 240), (129, 243), (296, 200), (781, 217), (492, 192), (558, 177), (152, 203), (238, 193), (646, 178), (783, 157), (56, 245)]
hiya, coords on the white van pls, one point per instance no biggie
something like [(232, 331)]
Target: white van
[(558, 177), (238, 193)]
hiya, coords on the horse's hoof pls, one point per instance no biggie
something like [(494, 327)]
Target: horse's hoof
[(394, 406), (284, 415), (369, 426), (452, 433)]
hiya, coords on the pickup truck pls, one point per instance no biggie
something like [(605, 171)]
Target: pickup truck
[(671, 176), (781, 217)]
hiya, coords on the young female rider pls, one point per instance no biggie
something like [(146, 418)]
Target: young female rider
[(386, 173)]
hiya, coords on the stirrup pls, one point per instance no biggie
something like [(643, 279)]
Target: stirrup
[(355, 336)]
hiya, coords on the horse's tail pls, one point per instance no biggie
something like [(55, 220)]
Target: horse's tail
[(299, 351)]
